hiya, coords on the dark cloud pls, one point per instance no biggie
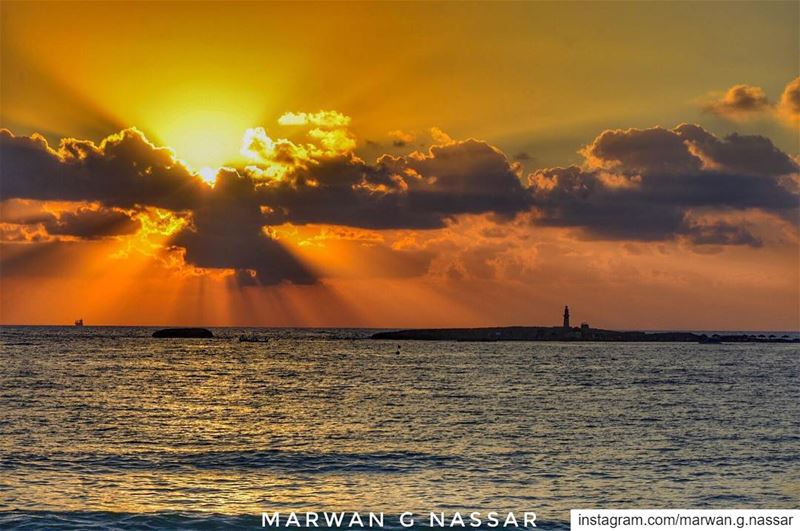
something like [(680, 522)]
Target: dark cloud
[(740, 101), (657, 208), (415, 191), (245, 278), (87, 223), (91, 224), (747, 154), (124, 170), (721, 233), (650, 198), (573, 197), (686, 150), (227, 233), (635, 151)]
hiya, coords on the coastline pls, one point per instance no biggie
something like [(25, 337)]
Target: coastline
[(582, 334)]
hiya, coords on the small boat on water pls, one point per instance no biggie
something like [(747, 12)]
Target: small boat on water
[(79, 322)]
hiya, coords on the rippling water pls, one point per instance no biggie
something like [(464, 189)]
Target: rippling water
[(107, 427)]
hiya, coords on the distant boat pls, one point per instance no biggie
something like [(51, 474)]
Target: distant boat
[(79, 322)]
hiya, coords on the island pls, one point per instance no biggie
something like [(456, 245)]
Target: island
[(183, 333), (569, 333)]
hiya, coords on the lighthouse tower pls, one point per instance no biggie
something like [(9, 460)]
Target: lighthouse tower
[(566, 317)]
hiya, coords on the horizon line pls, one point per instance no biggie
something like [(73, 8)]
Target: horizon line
[(306, 327)]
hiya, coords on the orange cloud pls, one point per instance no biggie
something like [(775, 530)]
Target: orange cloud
[(745, 102), (326, 119), (740, 102), (789, 105), (401, 138), (37, 221), (274, 159)]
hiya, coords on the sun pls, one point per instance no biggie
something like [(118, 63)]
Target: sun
[(206, 134), (204, 138), (203, 123)]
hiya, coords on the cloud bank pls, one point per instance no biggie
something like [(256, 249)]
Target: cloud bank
[(635, 185), (648, 184)]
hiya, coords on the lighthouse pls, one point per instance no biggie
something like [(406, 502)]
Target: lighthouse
[(566, 317)]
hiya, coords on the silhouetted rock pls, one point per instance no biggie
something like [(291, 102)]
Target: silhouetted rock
[(184, 333)]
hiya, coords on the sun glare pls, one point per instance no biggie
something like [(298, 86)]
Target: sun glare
[(204, 138)]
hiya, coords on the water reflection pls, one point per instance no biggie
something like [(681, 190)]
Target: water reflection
[(112, 420)]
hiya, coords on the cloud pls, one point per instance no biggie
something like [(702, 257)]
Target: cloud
[(686, 149), (635, 151), (789, 106), (720, 233), (227, 233), (124, 170), (743, 102), (747, 154), (333, 141), (401, 138), (83, 222), (636, 184), (644, 184), (273, 159), (420, 191), (91, 224), (740, 102), (440, 137), (325, 119), (574, 197)]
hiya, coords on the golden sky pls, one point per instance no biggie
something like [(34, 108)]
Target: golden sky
[(400, 164)]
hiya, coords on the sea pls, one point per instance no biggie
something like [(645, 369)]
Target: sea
[(109, 428)]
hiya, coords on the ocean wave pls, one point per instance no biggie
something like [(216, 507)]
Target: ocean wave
[(35, 520), (112, 521), (298, 462)]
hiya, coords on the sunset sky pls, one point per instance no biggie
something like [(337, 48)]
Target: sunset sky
[(397, 165)]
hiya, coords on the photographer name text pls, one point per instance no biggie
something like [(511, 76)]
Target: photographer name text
[(356, 519)]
